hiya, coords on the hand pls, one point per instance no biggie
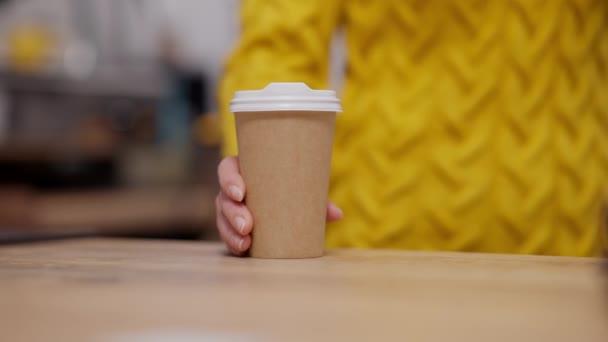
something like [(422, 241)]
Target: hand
[(234, 221)]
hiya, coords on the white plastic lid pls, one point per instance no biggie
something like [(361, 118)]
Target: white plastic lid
[(285, 96)]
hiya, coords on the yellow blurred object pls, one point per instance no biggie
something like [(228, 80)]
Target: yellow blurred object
[(29, 48), (207, 130), (468, 125)]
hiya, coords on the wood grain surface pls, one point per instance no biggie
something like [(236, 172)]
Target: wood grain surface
[(142, 290)]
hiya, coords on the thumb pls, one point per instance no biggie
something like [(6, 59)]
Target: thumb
[(334, 213)]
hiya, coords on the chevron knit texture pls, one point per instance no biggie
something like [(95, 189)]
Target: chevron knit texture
[(468, 125)]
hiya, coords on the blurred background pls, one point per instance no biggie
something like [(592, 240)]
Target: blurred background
[(109, 125), (106, 116)]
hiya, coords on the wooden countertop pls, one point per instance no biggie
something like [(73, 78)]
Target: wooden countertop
[(139, 290)]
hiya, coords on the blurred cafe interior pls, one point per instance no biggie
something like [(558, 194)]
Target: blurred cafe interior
[(106, 117)]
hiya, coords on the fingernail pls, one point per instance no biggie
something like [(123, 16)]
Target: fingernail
[(240, 224), (340, 212), (235, 193), (240, 243)]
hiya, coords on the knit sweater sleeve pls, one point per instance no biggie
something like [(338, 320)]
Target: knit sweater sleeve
[(281, 41)]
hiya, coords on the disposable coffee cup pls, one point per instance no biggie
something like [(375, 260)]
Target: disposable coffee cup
[(285, 135)]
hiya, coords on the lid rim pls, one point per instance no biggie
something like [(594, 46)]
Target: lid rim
[(285, 96)]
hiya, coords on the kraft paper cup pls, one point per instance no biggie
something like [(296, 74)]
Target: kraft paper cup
[(285, 136)]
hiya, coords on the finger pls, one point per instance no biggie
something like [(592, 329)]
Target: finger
[(231, 182), (334, 213), (236, 243), (237, 214)]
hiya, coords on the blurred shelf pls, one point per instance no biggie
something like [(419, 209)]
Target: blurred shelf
[(120, 212), (118, 83), (41, 152), (123, 211)]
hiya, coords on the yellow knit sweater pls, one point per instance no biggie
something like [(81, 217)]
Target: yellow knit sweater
[(468, 125)]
